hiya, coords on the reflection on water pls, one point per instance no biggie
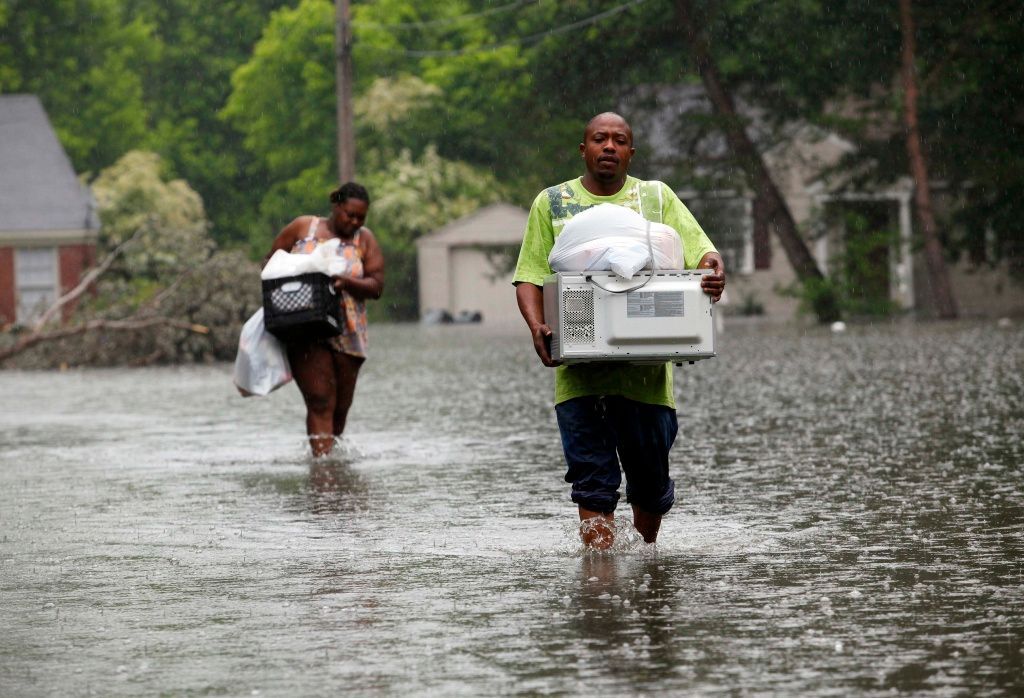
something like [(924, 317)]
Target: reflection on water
[(849, 522)]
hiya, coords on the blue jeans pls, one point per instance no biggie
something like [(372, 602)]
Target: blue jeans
[(599, 432)]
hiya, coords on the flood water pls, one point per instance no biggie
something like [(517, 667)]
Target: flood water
[(850, 522)]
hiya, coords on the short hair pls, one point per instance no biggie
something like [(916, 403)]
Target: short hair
[(608, 113), (350, 190)]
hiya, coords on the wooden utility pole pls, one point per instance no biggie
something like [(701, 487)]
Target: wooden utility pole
[(343, 88), (938, 275)]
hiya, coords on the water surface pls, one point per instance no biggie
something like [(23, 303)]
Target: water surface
[(849, 523)]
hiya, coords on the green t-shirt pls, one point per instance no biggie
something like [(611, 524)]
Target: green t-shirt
[(551, 210)]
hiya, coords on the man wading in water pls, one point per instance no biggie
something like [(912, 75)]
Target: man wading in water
[(611, 414)]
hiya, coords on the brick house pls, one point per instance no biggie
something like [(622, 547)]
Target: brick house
[(48, 221)]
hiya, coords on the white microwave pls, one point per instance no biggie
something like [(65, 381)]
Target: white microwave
[(656, 316)]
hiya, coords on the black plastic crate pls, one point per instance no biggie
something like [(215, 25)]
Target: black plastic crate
[(302, 307)]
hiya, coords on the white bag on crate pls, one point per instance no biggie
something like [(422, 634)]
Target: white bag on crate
[(324, 259), (608, 237), (261, 365)]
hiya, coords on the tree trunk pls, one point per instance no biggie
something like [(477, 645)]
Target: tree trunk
[(825, 303), (942, 292)]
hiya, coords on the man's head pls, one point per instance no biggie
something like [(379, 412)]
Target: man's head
[(607, 147)]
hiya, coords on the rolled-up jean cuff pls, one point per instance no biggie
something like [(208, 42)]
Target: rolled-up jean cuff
[(658, 507), (604, 503)]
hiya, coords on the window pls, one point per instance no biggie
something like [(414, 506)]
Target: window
[(35, 272), (728, 222)]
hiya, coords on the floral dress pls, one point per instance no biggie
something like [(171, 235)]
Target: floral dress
[(353, 337)]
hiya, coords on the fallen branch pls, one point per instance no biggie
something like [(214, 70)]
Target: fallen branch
[(129, 325)]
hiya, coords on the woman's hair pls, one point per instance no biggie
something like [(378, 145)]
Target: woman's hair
[(350, 190)]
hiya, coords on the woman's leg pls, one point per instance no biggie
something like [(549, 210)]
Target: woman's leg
[(312, 366), (346, 369)]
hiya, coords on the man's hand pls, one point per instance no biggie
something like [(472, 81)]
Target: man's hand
[(531, 304), (713, 284), (542, 344)]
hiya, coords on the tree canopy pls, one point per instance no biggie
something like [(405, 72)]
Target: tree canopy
[(237, 97)]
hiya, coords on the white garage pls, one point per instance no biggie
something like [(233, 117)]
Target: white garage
[(465, 268)]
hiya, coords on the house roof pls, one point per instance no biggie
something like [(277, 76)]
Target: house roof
[(496, 224), (39, 190)]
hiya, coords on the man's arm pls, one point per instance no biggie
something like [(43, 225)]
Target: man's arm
[(531, 270), (531, 304)]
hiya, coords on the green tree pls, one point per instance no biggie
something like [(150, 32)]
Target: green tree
[(838, 64), (133, 196), (168, 266), (199, 46), (283, 103), (482, 82), (84, 58), (413, 197)]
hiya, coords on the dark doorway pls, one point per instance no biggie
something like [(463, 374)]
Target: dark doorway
[(869, 231)]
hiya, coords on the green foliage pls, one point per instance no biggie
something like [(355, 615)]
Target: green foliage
[(390, 115), (971, 62), (238, 97), (85, 59), (820, 297), (858, 280), (862, 270), (413, 197), (171, 268), (481, 88), (132, 195), (282, 102), (282, 94), (200, 44)]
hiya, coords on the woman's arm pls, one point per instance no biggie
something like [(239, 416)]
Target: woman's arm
[(285, 240), (372, 284)]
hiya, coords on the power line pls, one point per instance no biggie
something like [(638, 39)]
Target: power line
[(522, 40), (446, 20)]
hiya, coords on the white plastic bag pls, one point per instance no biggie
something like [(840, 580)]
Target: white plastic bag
[(261, 365), (324, 259), (614, 237)]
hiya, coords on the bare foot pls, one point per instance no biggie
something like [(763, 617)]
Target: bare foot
[(647, 524), (597, 529)]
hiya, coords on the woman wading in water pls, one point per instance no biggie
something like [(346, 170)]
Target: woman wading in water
[(326, 369)]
